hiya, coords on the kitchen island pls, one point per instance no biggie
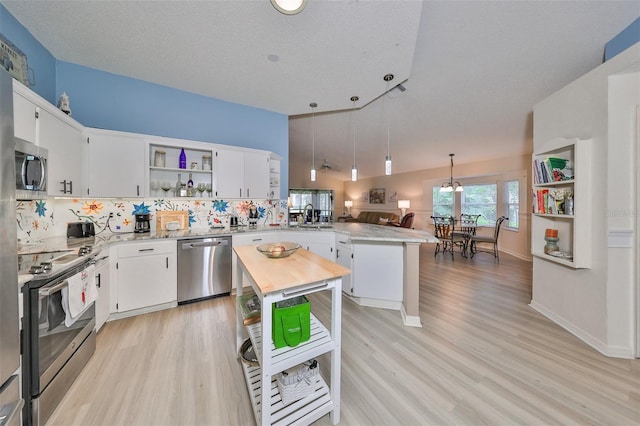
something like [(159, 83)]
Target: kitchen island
[(385, 267), (278, 279)]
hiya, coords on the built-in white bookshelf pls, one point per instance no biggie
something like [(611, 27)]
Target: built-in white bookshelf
[(561, 200)]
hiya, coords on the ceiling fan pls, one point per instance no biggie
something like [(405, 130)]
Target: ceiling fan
[(326, 166)]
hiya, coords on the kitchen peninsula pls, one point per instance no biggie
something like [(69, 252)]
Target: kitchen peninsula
[(383, 259)]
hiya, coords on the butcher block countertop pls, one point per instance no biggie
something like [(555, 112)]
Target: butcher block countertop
[(277, 274)]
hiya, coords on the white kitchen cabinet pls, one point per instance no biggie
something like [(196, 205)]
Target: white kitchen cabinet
[(146, 275), (103, 283), (67, 155), (344, 257), (37, 121), (108, 149), (242, 174), (25, 114), (378, 271), (318, 242)]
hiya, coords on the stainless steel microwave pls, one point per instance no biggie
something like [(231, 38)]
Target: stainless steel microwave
[(31, 171)]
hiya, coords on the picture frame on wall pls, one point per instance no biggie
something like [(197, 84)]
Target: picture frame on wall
[(377, 196), (14, 61)]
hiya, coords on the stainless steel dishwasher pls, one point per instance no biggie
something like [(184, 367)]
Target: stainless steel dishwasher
[(204, 268)]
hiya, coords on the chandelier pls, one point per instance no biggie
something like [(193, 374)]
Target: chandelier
[(450, 185)]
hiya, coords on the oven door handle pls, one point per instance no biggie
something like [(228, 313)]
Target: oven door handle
[(47, 291)]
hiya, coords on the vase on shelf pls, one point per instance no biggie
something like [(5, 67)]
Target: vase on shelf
[(551, 237)]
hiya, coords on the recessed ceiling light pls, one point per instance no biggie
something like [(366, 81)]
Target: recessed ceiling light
[(289, 7)]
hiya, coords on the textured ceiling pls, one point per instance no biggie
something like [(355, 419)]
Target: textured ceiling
[(473, 69), (236, 50)]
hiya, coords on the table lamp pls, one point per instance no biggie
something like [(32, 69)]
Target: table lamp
[(403, 205), (348, 204)]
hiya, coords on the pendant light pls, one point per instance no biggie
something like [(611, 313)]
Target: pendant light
[(387, 160), (354, 169), (451, 186), (313, 105)]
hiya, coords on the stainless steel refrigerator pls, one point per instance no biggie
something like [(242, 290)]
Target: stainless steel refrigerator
[(10, 401)]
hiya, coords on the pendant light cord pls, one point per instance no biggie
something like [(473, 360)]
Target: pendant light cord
[(451, 180), (384, 108)]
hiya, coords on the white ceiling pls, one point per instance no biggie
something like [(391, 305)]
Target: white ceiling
[(473, 69)]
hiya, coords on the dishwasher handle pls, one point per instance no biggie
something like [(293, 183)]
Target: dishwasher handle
[(199, 244)]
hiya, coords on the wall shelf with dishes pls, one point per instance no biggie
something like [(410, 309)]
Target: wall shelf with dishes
[(165, 170), (561, 201), (274, 177)]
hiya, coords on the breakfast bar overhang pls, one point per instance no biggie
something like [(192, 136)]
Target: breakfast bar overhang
[(386, 267)]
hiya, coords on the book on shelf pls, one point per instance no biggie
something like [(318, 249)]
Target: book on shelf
[(558, 201), (551, 169)]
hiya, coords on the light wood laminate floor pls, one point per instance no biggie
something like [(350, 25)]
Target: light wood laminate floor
[(482, 357)]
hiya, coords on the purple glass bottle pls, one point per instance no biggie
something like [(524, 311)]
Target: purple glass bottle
[(183, 159)]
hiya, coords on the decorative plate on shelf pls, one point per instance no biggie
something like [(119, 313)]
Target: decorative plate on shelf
[(278, 250), (561, 255)]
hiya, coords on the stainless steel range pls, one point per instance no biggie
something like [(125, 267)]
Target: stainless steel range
[(56, 345)]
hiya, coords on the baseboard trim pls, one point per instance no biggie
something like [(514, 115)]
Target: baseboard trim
[(134, 312), (375, 303), (410, 320), (602, 347), (521, 256)]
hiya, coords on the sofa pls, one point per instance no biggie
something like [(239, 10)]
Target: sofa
[(375, 218)]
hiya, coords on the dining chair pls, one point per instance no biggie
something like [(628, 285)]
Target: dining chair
[(475, 240), (442, 227), (464, 230)]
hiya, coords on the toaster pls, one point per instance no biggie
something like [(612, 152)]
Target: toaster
[(80, 229)]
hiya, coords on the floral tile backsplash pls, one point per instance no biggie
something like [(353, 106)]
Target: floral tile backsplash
[(40, 219)]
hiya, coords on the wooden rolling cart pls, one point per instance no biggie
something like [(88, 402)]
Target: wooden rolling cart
[(274, 280)]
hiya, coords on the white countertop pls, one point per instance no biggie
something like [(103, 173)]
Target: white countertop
[(357, 232), (369, 232)]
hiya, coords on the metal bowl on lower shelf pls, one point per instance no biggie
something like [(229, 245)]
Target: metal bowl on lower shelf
[(278, 250), (247, 354)]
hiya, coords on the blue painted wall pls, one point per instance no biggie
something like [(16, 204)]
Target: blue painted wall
[(109, 101), (627, 38)]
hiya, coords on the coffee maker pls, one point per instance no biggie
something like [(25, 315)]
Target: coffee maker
[(142, 223)]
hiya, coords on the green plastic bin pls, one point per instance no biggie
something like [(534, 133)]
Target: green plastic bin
[(291, 323)]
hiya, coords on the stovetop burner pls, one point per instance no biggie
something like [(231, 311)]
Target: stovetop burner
[(49, 262)]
